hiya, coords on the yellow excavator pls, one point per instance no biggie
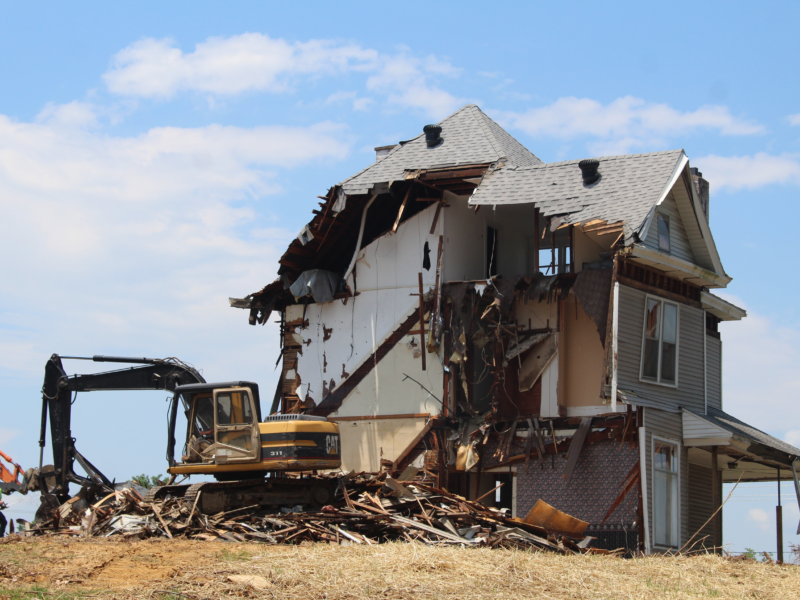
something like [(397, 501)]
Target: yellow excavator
[(226, 437)]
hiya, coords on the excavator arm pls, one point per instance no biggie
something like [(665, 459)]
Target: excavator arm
[(57, 396)]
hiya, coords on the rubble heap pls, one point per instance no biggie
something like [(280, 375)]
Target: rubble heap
[(370, 509)]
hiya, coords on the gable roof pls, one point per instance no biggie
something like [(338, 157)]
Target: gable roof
[(630, 188), (469, 138)]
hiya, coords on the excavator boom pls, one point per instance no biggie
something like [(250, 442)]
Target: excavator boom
[(57, 397)]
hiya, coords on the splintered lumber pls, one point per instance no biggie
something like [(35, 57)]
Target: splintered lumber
[(372, 508)]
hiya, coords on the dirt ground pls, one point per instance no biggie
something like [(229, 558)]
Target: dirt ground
[(66, 568)]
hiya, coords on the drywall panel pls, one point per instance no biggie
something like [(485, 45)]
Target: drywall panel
[(365, 442), (464, 241), (396, 259), (536, 315), (340, 336), (389, 388), (588, 247), (549, 406), (582, 357)]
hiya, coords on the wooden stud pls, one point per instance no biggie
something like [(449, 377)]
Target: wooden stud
[(402, 208)]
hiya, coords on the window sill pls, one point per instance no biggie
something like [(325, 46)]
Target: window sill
[(673, 386)]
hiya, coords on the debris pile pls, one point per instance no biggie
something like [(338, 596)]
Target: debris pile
[(369, 509)]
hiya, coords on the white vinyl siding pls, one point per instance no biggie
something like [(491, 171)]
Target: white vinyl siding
[(678, 241), (714, 371), (701, 506), (690, 391)]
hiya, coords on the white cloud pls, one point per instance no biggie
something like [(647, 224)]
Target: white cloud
[(404, 79), (794, 119), (153, 68), (132, 245), (760, 517), (6, 435), (352, 97), (248, 62), (793, 438), (760, 379), (73, 114), (748, 172), (626, 122)]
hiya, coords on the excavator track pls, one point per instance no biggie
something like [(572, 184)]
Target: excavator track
[(259, 494), (161, 492)]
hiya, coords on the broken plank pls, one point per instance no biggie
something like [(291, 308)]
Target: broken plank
[(575, 447), (433, 530), (402, 208)]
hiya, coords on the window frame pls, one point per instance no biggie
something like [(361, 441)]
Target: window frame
[(660, 216), (658, 381), (498, 231), (678, 454)]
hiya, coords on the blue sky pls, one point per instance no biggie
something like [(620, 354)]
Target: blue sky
[(156, 160)]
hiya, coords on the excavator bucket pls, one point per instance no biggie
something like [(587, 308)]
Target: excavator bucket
[(10, 479)]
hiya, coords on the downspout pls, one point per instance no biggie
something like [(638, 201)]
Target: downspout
[(360, 236), (643, 483), (614, 332), (705, 368), (796, 487)]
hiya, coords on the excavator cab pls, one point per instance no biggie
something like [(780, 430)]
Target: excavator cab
[(222, 427), (226, 437)]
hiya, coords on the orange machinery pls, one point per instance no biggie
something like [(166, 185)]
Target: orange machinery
[(10, 480)]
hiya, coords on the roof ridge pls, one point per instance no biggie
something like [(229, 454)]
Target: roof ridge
[(495, 143), (573, 161)]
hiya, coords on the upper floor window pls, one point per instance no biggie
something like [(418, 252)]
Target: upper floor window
[(663, 233), (660, 342)]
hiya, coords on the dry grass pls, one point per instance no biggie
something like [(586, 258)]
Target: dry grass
[(54, 568)]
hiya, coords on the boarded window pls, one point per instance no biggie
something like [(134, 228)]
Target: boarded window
[(665, 494), (663, 233), (660, 344)]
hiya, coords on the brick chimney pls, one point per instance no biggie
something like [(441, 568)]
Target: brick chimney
[(701, 185)]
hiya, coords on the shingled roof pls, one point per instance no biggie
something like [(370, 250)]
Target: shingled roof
[(629, 187), (469, 138)]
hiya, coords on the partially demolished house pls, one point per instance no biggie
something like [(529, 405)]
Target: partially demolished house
[(546, 328)]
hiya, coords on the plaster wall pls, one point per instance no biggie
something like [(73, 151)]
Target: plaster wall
[(339, 336), (582, 362), (365, 442)]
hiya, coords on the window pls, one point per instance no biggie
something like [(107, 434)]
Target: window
[(547, 261), (665, 493), (660, 345), (233, 408), (663, 233)]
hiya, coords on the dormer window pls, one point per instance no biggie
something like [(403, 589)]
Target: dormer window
[(663, 233)]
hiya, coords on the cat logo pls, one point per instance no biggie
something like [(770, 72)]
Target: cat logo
[(332, 444)]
